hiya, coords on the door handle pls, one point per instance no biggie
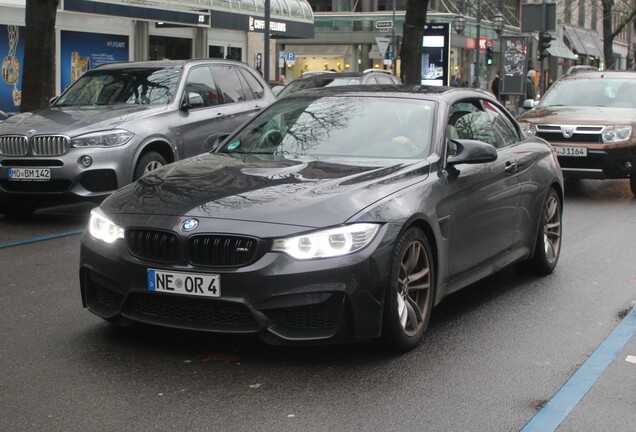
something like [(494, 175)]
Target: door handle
[(511, 168)]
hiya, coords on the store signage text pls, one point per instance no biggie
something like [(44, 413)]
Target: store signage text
[(259, 24)]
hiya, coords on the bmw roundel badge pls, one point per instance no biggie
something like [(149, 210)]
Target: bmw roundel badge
[(189, 224)]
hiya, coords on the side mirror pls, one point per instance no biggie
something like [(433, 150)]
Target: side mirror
[(529, 103), (193, 100), (472, 152)]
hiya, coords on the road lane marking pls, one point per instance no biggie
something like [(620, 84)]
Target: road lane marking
[(557, 409), (37, 239)]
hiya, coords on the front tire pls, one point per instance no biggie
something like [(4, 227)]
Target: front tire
[(632, 183), (149, 162), (410, 288)]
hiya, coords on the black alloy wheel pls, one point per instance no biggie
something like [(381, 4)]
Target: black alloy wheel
[(409, 297), (548, 246)]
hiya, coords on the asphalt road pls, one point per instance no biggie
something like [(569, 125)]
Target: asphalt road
[(494, 355)]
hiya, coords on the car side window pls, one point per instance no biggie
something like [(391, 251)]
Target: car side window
[(253, 83), (229, 83), (503, 130), (200, 81), (456, 112)]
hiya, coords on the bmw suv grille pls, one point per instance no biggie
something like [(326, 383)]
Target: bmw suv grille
[(13, 145), (41, 145), (45, 145)]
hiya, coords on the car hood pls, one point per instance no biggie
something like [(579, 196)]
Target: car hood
[(266, 188), (579, 115), (76, 120)]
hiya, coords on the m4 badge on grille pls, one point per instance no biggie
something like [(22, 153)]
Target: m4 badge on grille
[(189, 225)]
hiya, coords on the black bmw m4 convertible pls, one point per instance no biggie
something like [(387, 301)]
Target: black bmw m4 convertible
[(334, 215)]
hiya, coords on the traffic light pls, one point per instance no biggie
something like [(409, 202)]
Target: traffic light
[(545, 39), (489, 55)]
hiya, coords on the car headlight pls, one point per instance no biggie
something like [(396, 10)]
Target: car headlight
[(329, 243), (528, 129), (111, 138), (102, 228), (616, 133)]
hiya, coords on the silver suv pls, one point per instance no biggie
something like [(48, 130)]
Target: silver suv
[(120, 121)]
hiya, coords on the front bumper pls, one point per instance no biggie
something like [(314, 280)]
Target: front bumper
[(110, 169), (599, 164), (277, 298)]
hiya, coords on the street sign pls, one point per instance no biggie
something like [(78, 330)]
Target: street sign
[(281, 56), (291, 57), (383, 24), (383, 44)]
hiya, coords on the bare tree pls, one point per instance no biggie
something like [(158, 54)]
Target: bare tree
[(627, 14), (413, 31), (38, 77)]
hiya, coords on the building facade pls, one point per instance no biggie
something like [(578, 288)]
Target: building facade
[(89, 33)]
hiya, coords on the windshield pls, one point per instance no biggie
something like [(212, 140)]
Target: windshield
[(303, 84), (139, 86), (596, 92), (355, 126)]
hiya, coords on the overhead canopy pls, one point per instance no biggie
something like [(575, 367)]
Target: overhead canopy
[(584, 41), (559, 49)]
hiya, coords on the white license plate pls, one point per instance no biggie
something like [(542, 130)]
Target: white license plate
[(206, 285), (571, 151), (29, 174)]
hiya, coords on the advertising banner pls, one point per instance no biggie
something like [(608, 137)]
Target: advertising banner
[(436, 54), (12, 57), (82, 51)]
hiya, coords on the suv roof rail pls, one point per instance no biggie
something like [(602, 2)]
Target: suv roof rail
[(581, 68), (377, 70)]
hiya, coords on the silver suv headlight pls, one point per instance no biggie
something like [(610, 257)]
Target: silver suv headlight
[(617, 133), (528, 129), (328, 243), (109, 138), (102, 228)]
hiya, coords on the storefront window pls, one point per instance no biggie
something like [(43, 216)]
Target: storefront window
[(171, 48), (215, 51), (235, 53)]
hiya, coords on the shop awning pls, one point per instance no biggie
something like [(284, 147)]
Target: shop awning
[(559, 49), (584, 41)]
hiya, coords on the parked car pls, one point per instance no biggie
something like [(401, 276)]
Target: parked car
[(119, 121), (590, 119), (333, 79), (336, 214)]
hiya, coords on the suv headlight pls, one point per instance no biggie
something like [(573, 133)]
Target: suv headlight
[(528, 129), (102, 228), (613, 134), (110, 138), (328, 243)]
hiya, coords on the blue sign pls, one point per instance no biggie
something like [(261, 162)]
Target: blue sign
[(83, 51), (281, 55), (291, 56)]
